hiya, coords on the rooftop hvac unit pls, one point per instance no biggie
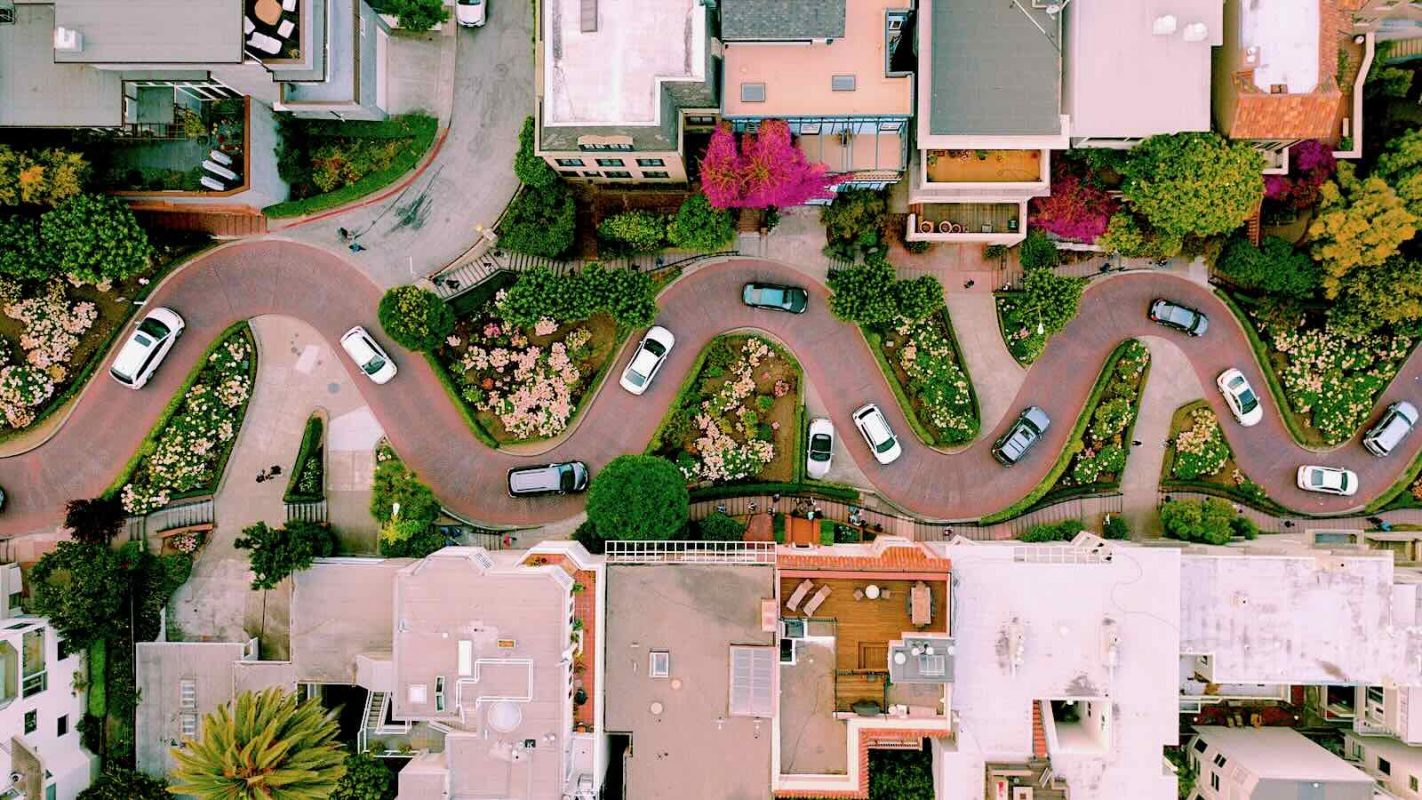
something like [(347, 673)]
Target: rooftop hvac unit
[(68, 40), (1195, 32), (7, 12), (1164, 25)]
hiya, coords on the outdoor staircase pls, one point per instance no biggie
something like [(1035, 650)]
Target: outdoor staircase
[(465, 275), (375, 710), (1039, 732), (1404, 50), (307, 512), (180, 514)]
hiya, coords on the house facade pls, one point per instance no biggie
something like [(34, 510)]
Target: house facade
[(1265, 763)]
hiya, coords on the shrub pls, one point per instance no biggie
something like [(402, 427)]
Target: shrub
[(918, 298), (47, 177), (634, 231), (96, 238), (870, 294), (1311, 162), (1050, 298), (638, 497), (1116, 527), (995, 252), (1194, 183), (1243, 527), (528, 166), (23, 255), (540, 221), (121, 783), (1053, 531), (95, 521), (73, 585), (1111, 417), (417, 15), (1207, 520), (699, 226), (1038, 252), (719, 527), (396, 484), (415, 318), (278, 553), (587, 536), (626, 295), (1075, 210), (854, 223), (1273, 267), (1200, 450), (366, 778)]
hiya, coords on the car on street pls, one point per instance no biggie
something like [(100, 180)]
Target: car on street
[(875, 428), (651, 354), (559, 478), (1388, 433), (1240, 397), (1328, 480), (146, 347), (1181, 318), (776, 297), (1020, 438), (821, 448), (369, 356), (471, 13)]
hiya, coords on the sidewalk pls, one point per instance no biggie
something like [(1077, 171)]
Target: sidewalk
[(1172, 383)]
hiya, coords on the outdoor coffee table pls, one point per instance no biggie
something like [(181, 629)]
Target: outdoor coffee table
[(268, 11)]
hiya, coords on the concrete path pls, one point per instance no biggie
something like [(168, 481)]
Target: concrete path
[(432, 221), (1172, 384), (997, 377)]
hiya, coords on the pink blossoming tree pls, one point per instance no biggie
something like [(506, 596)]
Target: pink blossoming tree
[(1311, 164), (766, 171), (1075, 210)]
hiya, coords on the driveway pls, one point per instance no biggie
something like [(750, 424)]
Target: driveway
[(270, 277), (431, 222)]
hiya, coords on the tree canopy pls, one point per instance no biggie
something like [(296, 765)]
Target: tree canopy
[(766, 171), (1401, 166), (871, 294), (1050, 298), (698, 226), (638, 497), (96, 238), (528, 166), (75, 585), (95, 521), (1194, 183), (1360, 223), (1274, 267), (415, 318), (366, 778), (1388, 294), (1208, 520), (277, 553)]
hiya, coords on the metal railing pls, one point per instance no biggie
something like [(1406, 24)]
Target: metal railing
[(684, 552)]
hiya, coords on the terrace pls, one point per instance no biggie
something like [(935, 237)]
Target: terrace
[(994, 223), (176, 140), (273, 29), (985, 166)]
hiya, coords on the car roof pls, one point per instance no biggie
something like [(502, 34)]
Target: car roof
[(359, 348), (131, 356), (876, 425), (644, 361)]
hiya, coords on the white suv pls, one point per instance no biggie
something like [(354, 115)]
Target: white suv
[(372, 360), (871, 423), (146, 347)]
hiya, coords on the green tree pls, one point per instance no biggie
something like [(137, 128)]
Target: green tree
[(719, 527), (1116, 527), (415, 318), (262, 746), (863, 293), (74, 586), (44, 178), (919, 297), (398, 495), (120, 783), (528, 166), (540, 221), (700, 226), (96, 238), (1388, 81), (638, 497), (854, 223), (95, 521), (23, 255), (277, 553), (366, 778), (417, 15), (1207, 520), (1051, 299), (901, 775), (1401, 166), (1038, 251), (634, 231), (1360, 223), (1274, 267), (1373, 297), (1054, 531), (1194, 183)]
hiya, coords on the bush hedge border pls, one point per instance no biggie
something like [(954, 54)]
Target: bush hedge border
[(826, 491), (312, 437), (424, 129), (876, 346)]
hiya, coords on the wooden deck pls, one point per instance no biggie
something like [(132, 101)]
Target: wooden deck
[(1000, 166), (1000, 217)]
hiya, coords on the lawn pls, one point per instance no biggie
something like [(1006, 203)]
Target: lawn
[(1198, 459), (330, 163), (923, 364), (737, 416)]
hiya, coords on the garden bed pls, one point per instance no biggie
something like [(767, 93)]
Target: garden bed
[(737, 415), (185, 453), (308, 474), (330, 163), (1198, 459), (922, 363), (1019, 332)]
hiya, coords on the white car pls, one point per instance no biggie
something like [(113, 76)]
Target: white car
[(146, 347), (821, 447), (372, 360), (871, 423), (470, 13), (650, 355), (1328, 480), (1240, 397)]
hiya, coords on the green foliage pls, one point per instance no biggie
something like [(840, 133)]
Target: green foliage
[(1243, 527), (1388, 81), (262, 746), (1401, 166), (417, 15), (700, 226), (871, 294), (638, 497), (23, 255), (1209, 520), (96, 703), (1200, 450), (854, 224), (121, 783), (73, 585), (719, 527), (901, 775), (918, 298), (1274, 267), (415, 318), (634, 231), (626, 295), (366, 778), (96, 238), (1125, 236), (1378, 297), (308, 473), (995, 252), (1194, 183), (95, 521), (283, 551), (395, 486), (1111, 418), (540, 221), (1051, 299), (587, 536), (1116, 527), (46, 177), (529, 167), (1054, 531), (1038, 251), (359, 157), (1360, 223)]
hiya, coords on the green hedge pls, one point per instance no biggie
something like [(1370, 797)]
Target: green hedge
[(919, 429), (827, 531), (311, 444), (827, 491), (1232, 494), (417, 126), (1397, 496), (97, 699)]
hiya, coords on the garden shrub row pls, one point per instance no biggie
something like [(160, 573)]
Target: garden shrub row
[(922, 364), (1199, 459), (411, 532), (1212, 520), (628, 296), (827, 491), (330, 163), (308, 474)]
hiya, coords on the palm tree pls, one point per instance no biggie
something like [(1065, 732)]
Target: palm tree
[(262, 746)]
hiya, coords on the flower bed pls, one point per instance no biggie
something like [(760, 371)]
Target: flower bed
[(1019, 329), (308, 474), (923, 360), (185, 453), (1199, 459), (1100, 453), (525, 383), (736, 416)]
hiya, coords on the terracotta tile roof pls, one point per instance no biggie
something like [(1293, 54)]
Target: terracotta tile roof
[(915, 558), (1261, 115)]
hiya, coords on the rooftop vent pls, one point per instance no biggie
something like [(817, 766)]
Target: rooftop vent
[(589, 16), (842, 83), (1164, 25), (67, 39), (1195, 32), (752, 93)]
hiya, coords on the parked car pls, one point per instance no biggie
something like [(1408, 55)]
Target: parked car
[(821, 448), (1240, 397), (1394, 426), (471, 13), (1024, 433), (1328, 480), (775, 297), (146, 347), (568, 476), (875, 428), (372, 360), (651, 354), (1181, 318)]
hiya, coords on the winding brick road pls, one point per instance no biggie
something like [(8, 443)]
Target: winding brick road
[(281, 277)]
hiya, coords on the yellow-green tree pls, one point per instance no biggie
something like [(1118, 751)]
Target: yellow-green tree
[(1401, 166), (1360, 223), (46, 178)]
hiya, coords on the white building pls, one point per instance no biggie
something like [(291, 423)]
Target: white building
[(1266, 763), (1394, 764)]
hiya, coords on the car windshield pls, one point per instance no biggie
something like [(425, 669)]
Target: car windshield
[(374, 365), (141, 340), (565, 477), (654, 347), (820, 445), (471, 2), (884, 446), (153, 328)]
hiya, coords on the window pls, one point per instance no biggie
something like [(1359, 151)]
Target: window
[(651, 162), (615, 173), (661, 664), (891, 127), (752, 93), (568, 173), (570, 162), (61, 725), (187, 694), (1384, 766), (1220, 760), (51, 792), (1412, 782), (1201, 746), (1375, 694), (605, 147), (592, 174), (1215, 781), (809, 129), (17, 626), (842, 83), (439, 693), (63, 647), (187, 725), (699, 119), (31, 721), (656, 174), (610, 162)]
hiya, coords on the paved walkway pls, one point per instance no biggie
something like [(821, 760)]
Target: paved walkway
[(1171, 384), (268, 277), (997, 377)]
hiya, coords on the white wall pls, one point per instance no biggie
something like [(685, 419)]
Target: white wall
[(71, 766)]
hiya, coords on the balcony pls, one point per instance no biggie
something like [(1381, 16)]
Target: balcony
[(990, 223), (985, 166)]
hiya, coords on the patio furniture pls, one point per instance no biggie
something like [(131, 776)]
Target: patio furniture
[(219, 170), (818, 600), (248, 26), (285, 28), (871, 591), (220, 157), (920, 604), (288, 5), (987, 227), (858, 594), (1012, 225), (263, 43), (267, 11), (798, 595), (213, 184), (945, 227)]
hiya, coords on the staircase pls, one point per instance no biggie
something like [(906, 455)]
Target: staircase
[(375, 710), (307, 512), (465, 275), (181, 515), (1404, 50), (1039, 732)]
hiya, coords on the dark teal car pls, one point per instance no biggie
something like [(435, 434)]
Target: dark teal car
[(776, 298)]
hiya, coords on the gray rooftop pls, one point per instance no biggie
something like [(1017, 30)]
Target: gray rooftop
[(36, 92), (162, 668), (779, 20), (152, 31), (993, 71), (340, 609)]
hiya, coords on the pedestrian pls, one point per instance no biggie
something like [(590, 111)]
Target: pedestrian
[(262, 476), (452, 284), (1238, 509), (720, 508), (357, 247), (1288, 523), (274, 469), (345, 234), (1135, 443), (752, 506), (1375, 521), (947, 533), (1167, 498), (969, 283), (775, 500)]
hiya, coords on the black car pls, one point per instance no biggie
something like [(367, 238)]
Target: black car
[(1181, 318)]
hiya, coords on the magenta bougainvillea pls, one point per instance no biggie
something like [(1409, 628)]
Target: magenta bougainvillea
[(1311, 164), (1076, 209), (766, 171)]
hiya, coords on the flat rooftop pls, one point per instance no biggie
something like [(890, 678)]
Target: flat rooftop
[(1321, 618), (612, 75), (992, 70), (1284, 35), (36, 92), (163, 669), (342, 608), (1125, 81), (1282, 754), (695, 746), (152, 31)]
